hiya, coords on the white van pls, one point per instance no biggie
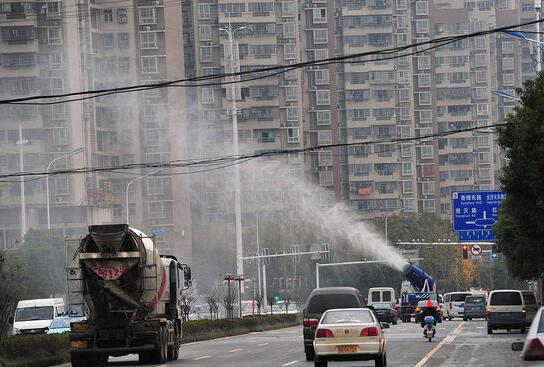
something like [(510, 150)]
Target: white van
[(531, 305), (454, 304), (506, 310), (381, 295), (33, 316)]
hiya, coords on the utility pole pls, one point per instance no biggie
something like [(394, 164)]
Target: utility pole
[(233, 68), (538, 48), (20, 142)]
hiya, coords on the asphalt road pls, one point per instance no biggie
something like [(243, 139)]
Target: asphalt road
[(457, 344)]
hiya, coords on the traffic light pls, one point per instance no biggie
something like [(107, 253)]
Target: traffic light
[(465, 252), (494, 252), (277, 298)]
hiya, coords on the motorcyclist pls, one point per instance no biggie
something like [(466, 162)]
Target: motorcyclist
[(429, 310)]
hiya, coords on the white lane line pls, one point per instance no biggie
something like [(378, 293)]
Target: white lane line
[(202, 357), (236, 350), (446, 340), (262, 344), (290, 363)]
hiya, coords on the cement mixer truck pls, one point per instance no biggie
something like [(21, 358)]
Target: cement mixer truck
[(132, 296)]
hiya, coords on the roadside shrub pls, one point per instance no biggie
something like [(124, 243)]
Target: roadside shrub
[(34, 350)]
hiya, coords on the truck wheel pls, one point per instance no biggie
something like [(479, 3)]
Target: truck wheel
[(163, 347)]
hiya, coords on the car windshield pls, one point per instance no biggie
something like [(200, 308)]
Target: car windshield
[(505, 299), (322, 302), (347, 317), (529, 299), (381, 305), (476, 300), (60, 323), (34, 313), (459, 297)]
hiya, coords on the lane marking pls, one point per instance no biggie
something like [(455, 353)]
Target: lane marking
[(290, 363), (262, 344), (446, 340), (202, 357), (236, 350)]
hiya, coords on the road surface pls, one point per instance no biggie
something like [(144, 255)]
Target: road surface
[(457, 344)]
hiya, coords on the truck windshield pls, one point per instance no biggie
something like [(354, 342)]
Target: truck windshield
[(34, 313)]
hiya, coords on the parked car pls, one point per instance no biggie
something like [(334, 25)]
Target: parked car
[(474, 307), (505, 310), (533, 348), (352, 334), (385, 312), (62, 324), (321, 300)]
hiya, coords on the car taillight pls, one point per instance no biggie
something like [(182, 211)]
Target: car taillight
[(487, 311), (524, 310), (534, 349), (418, 309), (369, 331), (324, 333), (310, 322), (438, 309)]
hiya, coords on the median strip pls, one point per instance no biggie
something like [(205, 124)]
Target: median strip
[(447, 340)]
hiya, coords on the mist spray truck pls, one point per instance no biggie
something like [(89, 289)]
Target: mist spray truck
[(423, 287), (131, 294)]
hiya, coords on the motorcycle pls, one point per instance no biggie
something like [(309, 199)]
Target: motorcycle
[(428, 330)]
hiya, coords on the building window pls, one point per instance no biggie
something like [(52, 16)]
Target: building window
[(147, 16), (423, 62), (116, 211), (324, 137), (56, 61), (321, 36), (482, 109), (479, 43), (207, 96), (289, 30), (293, 135), (508, 63), (422, 7), (326, 178), (150, 64), (424, 80), (154, 186), (323, 117), (205, 32), (422, 26), (319, 15), (321, 76), (261, 9), (480, 60), (289, 52), (508, 80), (407, 187), (323, 97), (507, 47), (232, 9), (406, 168), (291, 93), (324, 158), (60, 136), (527, 7), (321, 54), (122, 40), (57, 85), (62, 186), (291, 75), (124, 64), (53, 9), (292, 113), (426, 151), (288, 9), (156, 209), (58, 112), (406, 151), (206, 54), (108, 15), (204, 11), (425, 98), (481, 76), (54, 36), (148, 40), (122, 16)]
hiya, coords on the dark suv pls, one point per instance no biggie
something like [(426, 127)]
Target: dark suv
[(321, 300)]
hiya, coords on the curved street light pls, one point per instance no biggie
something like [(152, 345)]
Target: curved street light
[(130, 183)]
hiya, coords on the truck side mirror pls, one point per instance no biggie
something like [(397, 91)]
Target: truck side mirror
[(10, 320), (187, 276)]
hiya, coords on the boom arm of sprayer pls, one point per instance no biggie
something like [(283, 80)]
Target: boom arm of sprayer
[(420, 280)]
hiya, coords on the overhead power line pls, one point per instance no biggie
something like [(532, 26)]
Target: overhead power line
[(272, 69), (235, 159)]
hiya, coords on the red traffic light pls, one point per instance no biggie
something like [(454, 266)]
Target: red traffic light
[(465, 252)]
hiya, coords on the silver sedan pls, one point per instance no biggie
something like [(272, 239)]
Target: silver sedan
[(349, 334)]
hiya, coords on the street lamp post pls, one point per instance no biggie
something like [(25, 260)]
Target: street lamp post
[(73, 152), (521, 36), (234, 115), (20, 142), (128, 186), (387, 217)]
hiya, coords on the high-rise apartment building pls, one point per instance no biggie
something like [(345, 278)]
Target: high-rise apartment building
[(51, 47)]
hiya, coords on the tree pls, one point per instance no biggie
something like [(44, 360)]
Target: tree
[(520, 229), (229, 301), (11, 287), (212, 299), (187, 300)]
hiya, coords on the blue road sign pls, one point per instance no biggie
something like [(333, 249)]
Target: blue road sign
[(474, 213)]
